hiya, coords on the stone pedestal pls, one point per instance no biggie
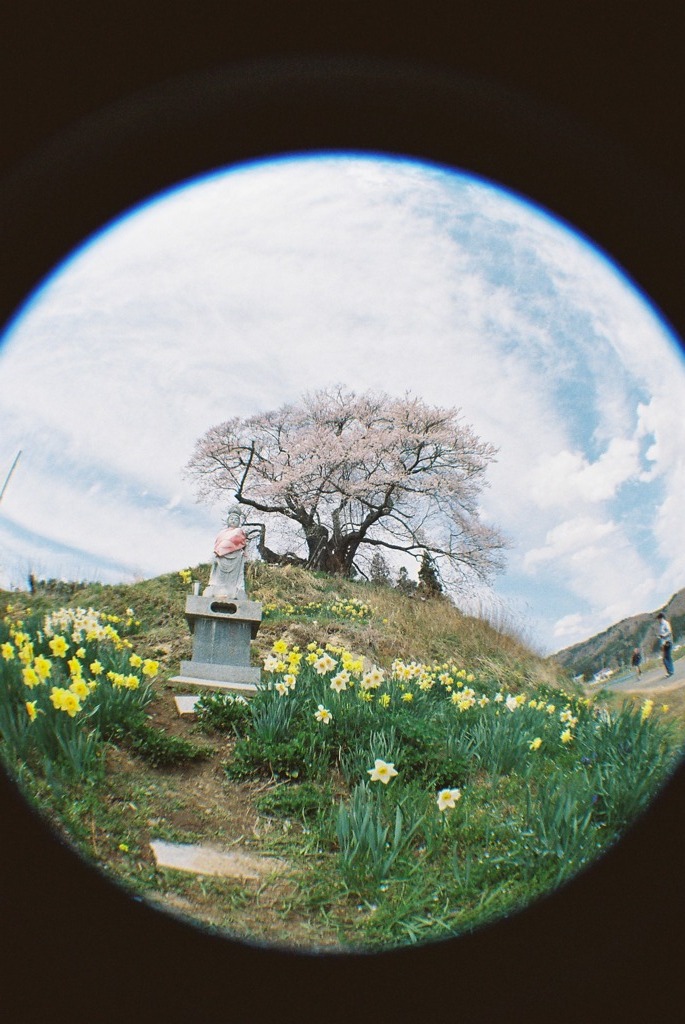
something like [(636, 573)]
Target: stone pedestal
[(222, 628)]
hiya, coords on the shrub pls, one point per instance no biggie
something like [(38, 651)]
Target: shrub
[(290, 759), (223, 712), (162, 750)]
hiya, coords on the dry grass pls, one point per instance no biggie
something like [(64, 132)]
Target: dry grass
[(411, 627)]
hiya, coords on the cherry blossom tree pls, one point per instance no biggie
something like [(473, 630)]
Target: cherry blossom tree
[(350, 474)]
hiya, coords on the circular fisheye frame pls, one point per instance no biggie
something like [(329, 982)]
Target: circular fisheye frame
[(339, 497), (410, 684)]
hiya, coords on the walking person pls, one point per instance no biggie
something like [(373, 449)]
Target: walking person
[(665, 635), (636, 661)]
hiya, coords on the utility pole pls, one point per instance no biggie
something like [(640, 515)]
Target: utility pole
[(7, 478)]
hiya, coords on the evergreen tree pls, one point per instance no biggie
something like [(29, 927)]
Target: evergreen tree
[(379, 572), (428, 576), (404, 584)]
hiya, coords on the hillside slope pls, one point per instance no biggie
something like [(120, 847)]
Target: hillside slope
[(302, 606), (612, 647)]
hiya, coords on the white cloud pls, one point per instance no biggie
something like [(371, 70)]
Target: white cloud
[(567, 476), (594, 560), (570, 628), (571, 539)]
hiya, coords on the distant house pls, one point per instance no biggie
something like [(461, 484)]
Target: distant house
[(605, 673)]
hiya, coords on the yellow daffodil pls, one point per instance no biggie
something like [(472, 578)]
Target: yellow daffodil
[(382, 771), (324, 664), (80, 688), (31, 709), (535, 744), (323, 715), (567, 736), (150, 667), (408, 697), (340, 681), (43, 667), (647, 709), (447, 798), (75, 669), (7, 651), (135, 661), (30, 677), (384, 700), (58, 646), (96, 668), (26, 653), (374, 678), (63, 700)]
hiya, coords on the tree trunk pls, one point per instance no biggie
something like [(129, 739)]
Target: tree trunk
[(327, 556)]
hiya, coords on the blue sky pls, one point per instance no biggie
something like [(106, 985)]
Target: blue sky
[(240, 291)]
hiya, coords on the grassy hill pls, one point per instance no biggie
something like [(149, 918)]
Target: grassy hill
[(612, 647), (461, 711), (400, 626)]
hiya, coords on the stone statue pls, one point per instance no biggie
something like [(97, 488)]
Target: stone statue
[(227, 577), (223, 621)]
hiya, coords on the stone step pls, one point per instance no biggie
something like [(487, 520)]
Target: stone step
[(210, 860), (185, 703)]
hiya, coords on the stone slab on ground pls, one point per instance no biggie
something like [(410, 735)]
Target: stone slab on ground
[(218, 684), (209, 860), (185, 703)]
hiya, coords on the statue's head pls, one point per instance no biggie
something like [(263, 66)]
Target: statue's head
[(234, 516)]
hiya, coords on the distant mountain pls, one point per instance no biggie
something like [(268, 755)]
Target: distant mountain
[(612, 648)]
